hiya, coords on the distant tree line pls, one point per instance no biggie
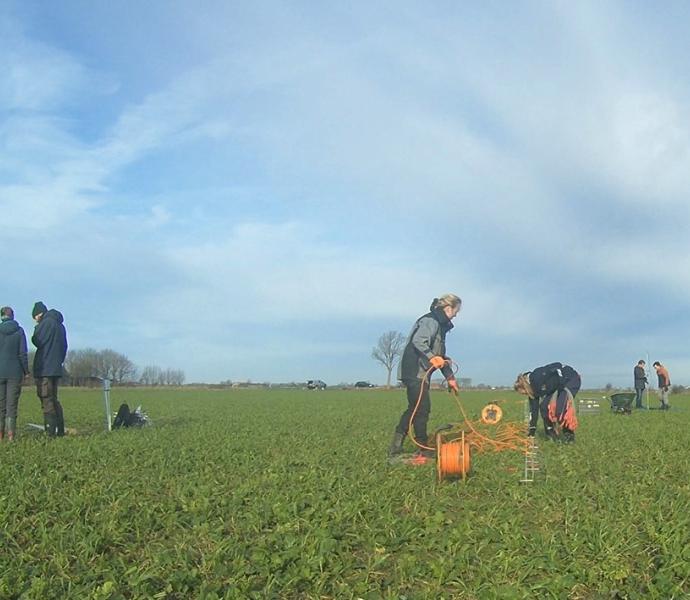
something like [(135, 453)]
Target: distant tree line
[(83, 366), (153, 375)]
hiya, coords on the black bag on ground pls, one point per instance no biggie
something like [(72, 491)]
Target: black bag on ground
[(127, 418)]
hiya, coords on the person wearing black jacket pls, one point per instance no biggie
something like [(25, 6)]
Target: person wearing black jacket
[(551, 390), (50, 339), (14, 367), (640, 382), (424, 352)]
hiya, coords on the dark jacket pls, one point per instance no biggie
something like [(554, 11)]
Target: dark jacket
[(13, 361), (551, 378), (640, 378), (50, 339), (427, 339)]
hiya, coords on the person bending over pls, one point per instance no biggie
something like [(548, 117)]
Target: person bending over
[(551, 390)]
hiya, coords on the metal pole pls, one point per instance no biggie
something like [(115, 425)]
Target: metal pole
[(106, 397)]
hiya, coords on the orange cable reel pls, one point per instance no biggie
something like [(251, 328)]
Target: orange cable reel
[(492, 413), (453, 456)]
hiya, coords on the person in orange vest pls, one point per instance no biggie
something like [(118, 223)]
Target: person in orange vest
[(664, 383)]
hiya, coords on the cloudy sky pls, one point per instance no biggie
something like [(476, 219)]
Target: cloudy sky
[(259, 190)]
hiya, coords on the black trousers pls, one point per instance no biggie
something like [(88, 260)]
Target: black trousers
[(415, 387), (47, 391), (10, 390)]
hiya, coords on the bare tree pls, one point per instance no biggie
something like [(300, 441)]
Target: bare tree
[(82, 365), (123, 369), (176, 377), (388, 350), (150, 375)]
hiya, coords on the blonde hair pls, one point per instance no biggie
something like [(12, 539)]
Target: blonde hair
[(523, 386), (446, 300)]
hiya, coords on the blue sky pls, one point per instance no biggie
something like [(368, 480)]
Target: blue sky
[(257, 191)]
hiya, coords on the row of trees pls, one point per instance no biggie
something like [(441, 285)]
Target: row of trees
[(83, 366)]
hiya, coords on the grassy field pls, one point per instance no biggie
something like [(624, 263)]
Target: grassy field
[(288, 494)]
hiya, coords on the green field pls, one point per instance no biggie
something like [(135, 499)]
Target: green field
[(288, 494)]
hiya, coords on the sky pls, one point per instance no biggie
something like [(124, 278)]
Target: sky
[(257, 191)]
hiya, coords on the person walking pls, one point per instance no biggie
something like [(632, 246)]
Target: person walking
[(640, 378), (425, 352), (664, 381), (14, 367), (50, 339), (551, 391)]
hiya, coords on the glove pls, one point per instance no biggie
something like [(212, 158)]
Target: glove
[(437, 362), (453, 386)]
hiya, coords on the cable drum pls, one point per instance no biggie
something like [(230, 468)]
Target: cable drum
[(492, 414), (453, 457)]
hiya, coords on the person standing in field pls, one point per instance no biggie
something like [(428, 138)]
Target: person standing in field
[(425, 351), (14, 367), (664, 380), (640, 382), (551, 390), (50, 339)]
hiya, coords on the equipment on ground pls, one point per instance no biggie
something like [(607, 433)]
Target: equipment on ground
[(455, 442), (621, 403), (590, 406), (453, 455), (491, 414)]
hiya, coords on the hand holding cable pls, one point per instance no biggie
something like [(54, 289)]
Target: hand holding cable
[(437, 362), (453, 386)]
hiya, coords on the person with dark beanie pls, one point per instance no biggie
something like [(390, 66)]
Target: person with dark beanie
[(425, 352), (50, 339), (14, 367)]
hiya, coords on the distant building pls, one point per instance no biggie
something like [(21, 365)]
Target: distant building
[(465, 382)]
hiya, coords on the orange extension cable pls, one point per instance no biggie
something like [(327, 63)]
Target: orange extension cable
[(453, 456)]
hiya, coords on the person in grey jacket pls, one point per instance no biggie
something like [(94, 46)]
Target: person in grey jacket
[(424, 352), (50, 339), (14, 367), (640, 380)]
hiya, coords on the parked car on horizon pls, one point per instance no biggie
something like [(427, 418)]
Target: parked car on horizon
[(316, 384), (364, 384)]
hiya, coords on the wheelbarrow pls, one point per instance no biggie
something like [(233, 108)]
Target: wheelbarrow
[(621, 402)]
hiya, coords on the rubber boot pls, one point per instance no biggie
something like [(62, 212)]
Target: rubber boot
[(60, 420), (10, 428), (396, 444), (50, 425), (568, 436), (427, 453), (551, 433)]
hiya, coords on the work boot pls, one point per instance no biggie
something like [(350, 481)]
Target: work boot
[(60, 420), (427, 453), (551, 434), (396, 444), (10, 426), (531, 431), (50, 425)]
